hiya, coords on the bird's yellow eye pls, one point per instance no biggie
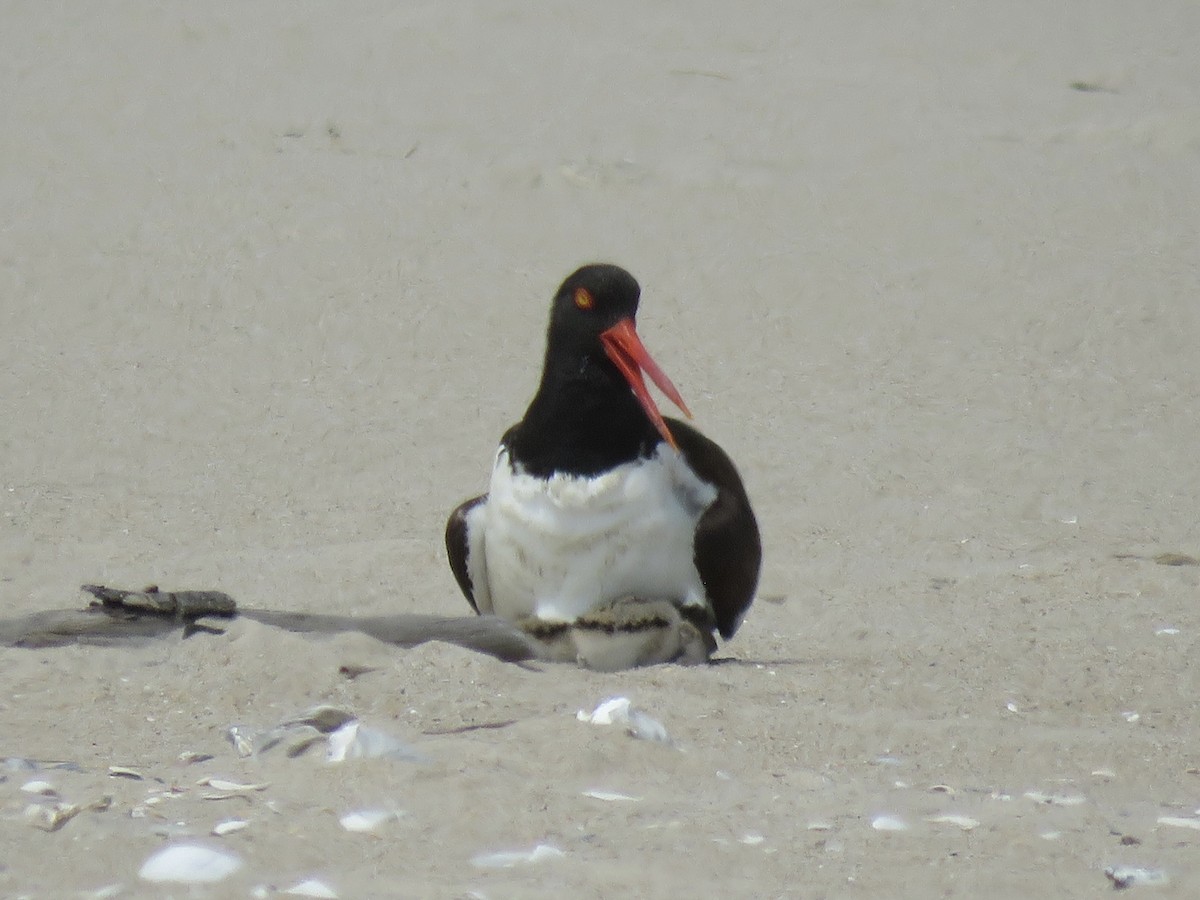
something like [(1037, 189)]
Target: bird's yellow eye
[(584, 298)]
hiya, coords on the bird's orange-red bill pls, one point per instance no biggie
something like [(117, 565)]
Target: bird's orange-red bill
[(630, 356)]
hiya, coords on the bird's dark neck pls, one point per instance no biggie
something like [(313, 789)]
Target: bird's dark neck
[(584, 420)]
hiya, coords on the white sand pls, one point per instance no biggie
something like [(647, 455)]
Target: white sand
[(274, 279)]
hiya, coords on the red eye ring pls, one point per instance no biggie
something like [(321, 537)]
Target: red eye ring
[(584, 298)]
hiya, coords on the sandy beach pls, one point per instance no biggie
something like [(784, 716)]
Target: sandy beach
[(274, 279)]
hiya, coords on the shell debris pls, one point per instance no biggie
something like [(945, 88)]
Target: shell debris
[(367, 820), (311, 887), (506, 859), (356, 741), (620, 711), (1135, 876), (338, 729), (966, 823), (1179, 822), (235, 787), (53, 817), (610, 796), (224, 789), (889, 823), (229, 826)]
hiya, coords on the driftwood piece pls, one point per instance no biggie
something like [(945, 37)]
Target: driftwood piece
[(118, 617)]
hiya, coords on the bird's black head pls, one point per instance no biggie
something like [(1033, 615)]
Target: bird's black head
[(590, 301), (593, 403)]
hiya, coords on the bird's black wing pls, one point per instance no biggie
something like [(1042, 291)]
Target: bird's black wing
[(457, 546), (728, 549)]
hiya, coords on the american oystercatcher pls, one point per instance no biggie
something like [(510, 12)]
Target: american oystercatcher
[(614, 536)]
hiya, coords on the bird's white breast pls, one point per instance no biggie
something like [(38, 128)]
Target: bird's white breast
[(556, 548)]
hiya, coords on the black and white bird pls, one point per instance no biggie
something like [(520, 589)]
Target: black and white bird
[(614, 536)]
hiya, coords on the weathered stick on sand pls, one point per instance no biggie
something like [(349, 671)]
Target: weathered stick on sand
[(119, 617)]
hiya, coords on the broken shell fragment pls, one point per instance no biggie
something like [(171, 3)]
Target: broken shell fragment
[(242, 739), (311, 887), (610, 796), (232, 787), (1179, 822), (506, 859), (1131, 876), (620, 711), (51, 818), (966, 823), (356, 741), (366, 820), (229, 826)]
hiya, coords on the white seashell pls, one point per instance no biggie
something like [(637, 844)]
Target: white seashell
[(1166, 631), (889, 823), (753, 839), (611, 711), (310, 887), (123, 772), (356, 741), (508, 858), (610, 796), (819, 825), (44, 788), (189, 864), (1179, 822), (364, 820), (233, 787), (620, 711), (966, 823), (1131, 717), (229, 826), (1130, 876), (1050, 835)]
